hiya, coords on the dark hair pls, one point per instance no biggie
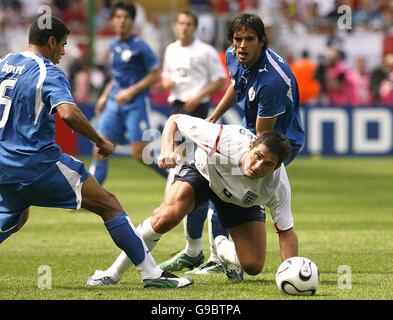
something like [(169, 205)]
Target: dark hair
[(190, 14), (251, 22), (129, 7), (40, 34), (277, 143)]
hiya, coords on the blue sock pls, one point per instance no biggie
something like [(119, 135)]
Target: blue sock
[(217, 229), (99, 169), (4, 235), (125, 238), (161, 172), (196, 219)]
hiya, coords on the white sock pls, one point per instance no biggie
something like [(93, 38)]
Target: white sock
[(150, 237), (193, 246), (120, 266), (226, 250), (148, 268), (213, 252), (123, 263)]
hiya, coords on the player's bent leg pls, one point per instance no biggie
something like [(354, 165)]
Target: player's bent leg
[(131, 243), (250, 243), (98, 200), (123, 233), (192, 256), (178, 202)]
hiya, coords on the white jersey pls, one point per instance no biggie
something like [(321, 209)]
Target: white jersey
[(220, 148), (191, 68)]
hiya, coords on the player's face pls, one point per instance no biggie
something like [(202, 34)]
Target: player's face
[(259, 162), (122, 23), (57, 49), (248, 47), (185, 28)]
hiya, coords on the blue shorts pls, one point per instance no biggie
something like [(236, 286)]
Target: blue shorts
[(125, 124), (59, 187)]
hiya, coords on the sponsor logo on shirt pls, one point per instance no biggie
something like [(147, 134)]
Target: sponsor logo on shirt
[(263, 69)]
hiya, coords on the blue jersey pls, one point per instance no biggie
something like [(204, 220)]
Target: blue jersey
[(31, 87), (268, 89), (131, 61)]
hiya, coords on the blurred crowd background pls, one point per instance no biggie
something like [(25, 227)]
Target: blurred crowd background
[(335, 65)]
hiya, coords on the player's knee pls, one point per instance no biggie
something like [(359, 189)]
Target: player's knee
[(253, 268), (111, 205)]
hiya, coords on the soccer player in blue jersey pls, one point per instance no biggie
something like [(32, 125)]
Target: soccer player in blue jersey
[(34, 171), (124, 105), (263, 85)]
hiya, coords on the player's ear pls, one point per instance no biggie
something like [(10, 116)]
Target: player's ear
[(52, 42)]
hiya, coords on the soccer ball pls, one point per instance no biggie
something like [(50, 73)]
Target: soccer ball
[(298, 276)]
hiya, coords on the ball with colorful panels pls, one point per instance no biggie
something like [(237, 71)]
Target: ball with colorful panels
[(298, 276)]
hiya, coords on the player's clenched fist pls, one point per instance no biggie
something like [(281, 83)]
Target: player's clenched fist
[(105, 147), (168, 160)]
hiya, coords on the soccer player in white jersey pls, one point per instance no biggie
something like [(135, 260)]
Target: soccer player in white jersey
[(240, 173), (34, 171)]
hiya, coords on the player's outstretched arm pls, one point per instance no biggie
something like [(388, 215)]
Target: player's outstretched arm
[(224, 105), (289, 246), (76, 120)]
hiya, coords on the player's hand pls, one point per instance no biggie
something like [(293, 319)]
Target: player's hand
[(100, 105), (211, 118), (124, 96), (105, 147), (167, 84), (191, 104), (168, 160)]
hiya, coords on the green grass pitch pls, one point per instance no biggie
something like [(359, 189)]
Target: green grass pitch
[(343, 210)]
